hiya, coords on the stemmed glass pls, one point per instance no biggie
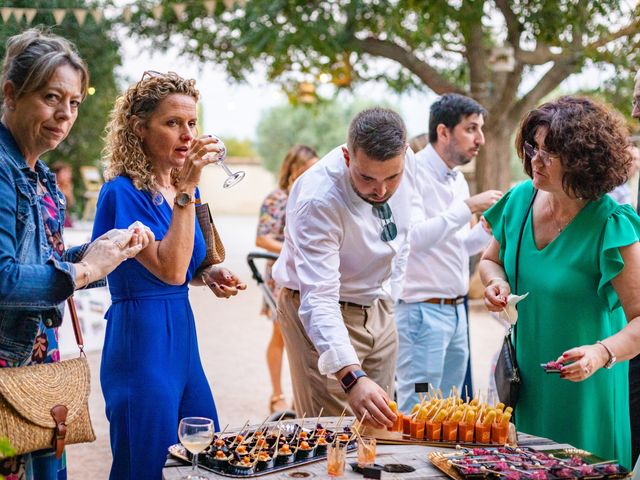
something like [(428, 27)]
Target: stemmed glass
[(196, 434), (219, 158)]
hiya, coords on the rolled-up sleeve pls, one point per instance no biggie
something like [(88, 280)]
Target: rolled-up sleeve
[(317, 235)]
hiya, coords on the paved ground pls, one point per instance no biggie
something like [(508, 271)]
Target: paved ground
[(233, 338)]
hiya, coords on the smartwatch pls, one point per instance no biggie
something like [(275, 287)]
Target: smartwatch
[(350, 379), (183, 199)]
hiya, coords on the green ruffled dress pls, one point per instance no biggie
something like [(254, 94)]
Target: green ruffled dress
[(571, 303)]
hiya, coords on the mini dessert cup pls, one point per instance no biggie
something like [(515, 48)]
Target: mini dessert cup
[(321, 445), (417, 430), (433, 431), (336, 459), (465, 432), (483, 433), (450, 431), (499, 433), (366, 451), (306, 449)]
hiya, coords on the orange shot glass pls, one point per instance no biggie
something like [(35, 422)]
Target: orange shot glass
[(366, 451), (499, 433), (336, 459)]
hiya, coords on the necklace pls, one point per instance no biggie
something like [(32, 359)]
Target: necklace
[(558, 226), (164, 187)]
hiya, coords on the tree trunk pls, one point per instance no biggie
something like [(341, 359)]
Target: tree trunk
[(493, 170)]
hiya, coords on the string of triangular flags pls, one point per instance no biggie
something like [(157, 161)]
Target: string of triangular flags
[(126, 12)]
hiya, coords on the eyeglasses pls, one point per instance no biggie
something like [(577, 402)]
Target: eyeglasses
[(635, 103), (530, 151), (148, 74), (389, 229)]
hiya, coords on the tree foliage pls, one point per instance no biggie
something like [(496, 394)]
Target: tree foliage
[(322, 126), (436, 44), (99, 49)]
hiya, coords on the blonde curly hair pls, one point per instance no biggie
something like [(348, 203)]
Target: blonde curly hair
[(123, 154)]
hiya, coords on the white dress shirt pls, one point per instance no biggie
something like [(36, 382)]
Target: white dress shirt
[(438, 265), (333, 252)]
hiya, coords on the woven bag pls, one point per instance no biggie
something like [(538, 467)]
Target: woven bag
[(47, 406), (215, 248)]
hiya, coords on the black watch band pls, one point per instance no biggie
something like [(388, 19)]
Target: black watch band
[(349, 380)]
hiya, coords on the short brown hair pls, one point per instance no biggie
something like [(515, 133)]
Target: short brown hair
[(379, 132), (297, 156), (33, 56), (590, 140)]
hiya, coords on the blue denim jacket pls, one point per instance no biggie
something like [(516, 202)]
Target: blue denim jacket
[(33, 283)]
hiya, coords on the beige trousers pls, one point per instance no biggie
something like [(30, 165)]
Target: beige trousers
[(372, 332)]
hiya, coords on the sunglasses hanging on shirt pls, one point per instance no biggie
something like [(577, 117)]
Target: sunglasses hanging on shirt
[(389, 229)]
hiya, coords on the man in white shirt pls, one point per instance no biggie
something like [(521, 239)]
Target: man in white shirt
[(348, 220), (432, 323)]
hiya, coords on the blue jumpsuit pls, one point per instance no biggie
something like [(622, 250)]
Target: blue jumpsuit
[(151, 374)]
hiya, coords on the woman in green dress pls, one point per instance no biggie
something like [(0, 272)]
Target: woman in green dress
[(579, 259)]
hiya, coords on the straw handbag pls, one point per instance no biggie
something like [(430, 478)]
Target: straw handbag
[(215, 248), (47, 406)]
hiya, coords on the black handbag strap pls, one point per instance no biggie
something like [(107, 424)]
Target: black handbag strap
[(515, 289)]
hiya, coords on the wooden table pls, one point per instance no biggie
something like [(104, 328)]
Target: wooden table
[(414, 455)]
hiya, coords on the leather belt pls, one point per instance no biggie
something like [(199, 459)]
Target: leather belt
[(445, 301), (343, 304)]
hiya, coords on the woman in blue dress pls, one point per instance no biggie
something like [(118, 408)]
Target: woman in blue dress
[(151, 373)]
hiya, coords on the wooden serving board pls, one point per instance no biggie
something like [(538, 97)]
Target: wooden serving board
[(399, 438)]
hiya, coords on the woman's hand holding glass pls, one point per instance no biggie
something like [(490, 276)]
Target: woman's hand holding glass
[(203, 151), (222, 282)]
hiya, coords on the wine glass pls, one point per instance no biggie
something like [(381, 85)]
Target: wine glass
[(196, 434), (219, 158)]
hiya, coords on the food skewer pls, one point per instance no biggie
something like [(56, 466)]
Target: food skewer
[(239, 433), (248, 439), (315, 430)]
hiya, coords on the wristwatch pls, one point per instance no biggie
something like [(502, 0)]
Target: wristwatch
[(612, 357), (184, 199), (350, 379)]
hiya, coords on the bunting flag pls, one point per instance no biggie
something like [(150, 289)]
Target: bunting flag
[(179, 9), (22, 15), (80, 14), (18, 13), (6, 14), (210, 5), (126, 14), (97, 15), (59, 14), (29, 13), (157, 12)]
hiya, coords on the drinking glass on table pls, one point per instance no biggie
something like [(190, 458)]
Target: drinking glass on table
[(219, 158), (336, 459), (366, 451), (196, 434)]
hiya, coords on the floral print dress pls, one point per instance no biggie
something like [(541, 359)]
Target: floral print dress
[(271, 224), (42, 464)]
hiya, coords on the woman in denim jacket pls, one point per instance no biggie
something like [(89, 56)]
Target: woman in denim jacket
[(43, 83)]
